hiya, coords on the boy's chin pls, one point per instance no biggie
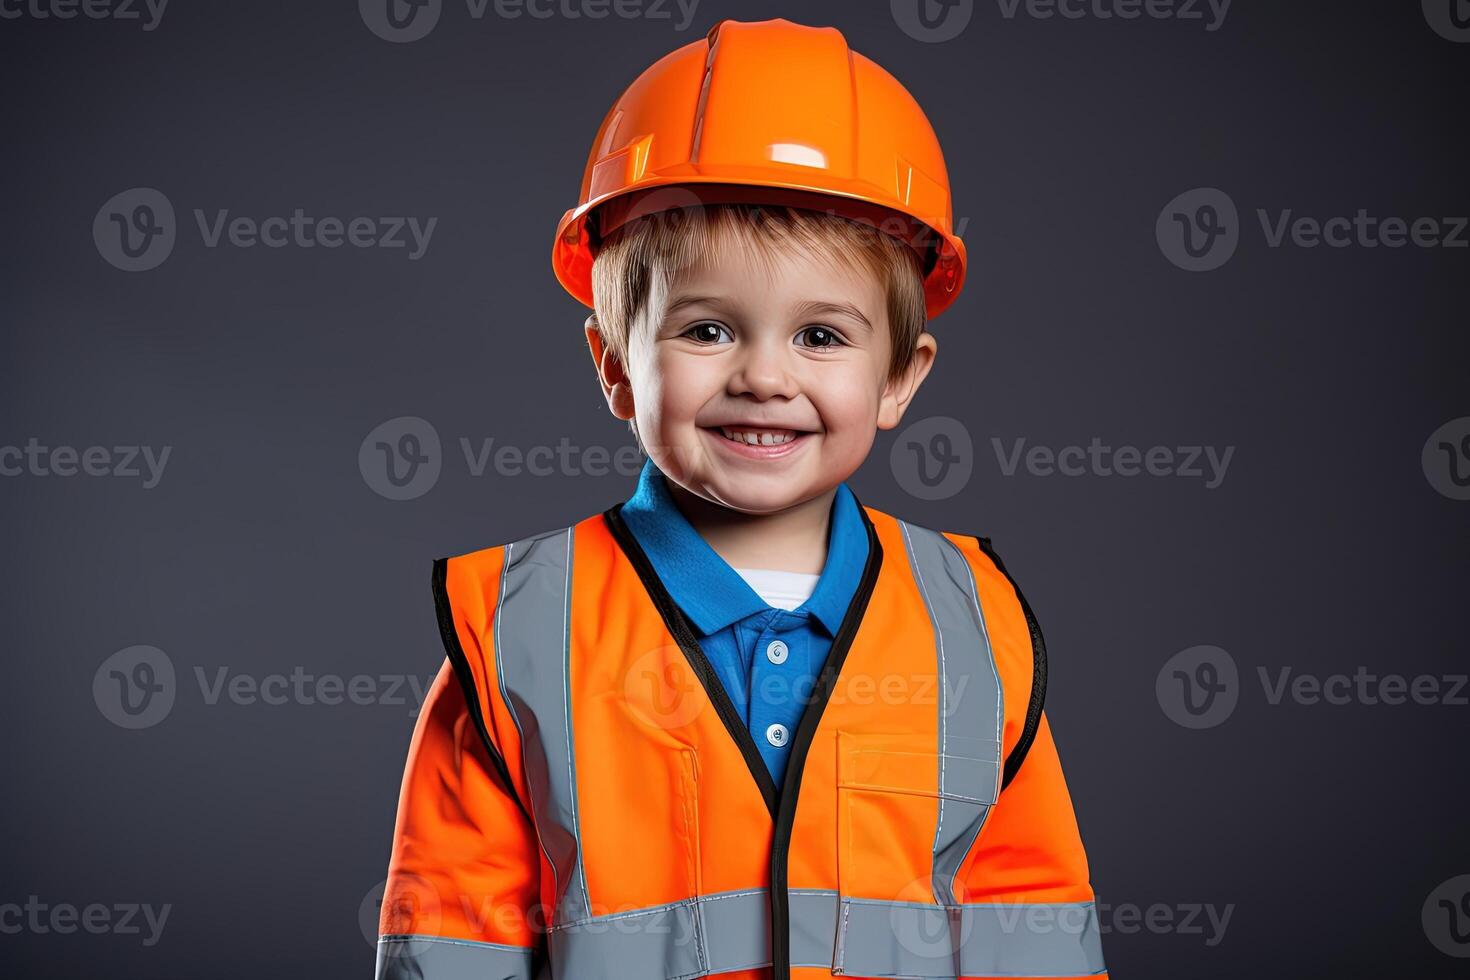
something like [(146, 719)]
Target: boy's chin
[(757, 495)]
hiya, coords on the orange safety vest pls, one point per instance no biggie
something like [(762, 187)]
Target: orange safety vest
[(582, 802)]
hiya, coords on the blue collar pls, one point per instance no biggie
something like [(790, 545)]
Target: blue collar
[(704, 585)]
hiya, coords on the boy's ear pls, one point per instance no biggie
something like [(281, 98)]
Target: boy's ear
[(900, 391), (610, 372)]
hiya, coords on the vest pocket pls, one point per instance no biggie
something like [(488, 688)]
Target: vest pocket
[(890, 805), (900, 838), (663, 938)]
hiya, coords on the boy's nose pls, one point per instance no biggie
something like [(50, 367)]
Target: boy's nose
[(765, 372)]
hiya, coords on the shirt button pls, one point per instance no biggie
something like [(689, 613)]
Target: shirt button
[(776, 734), (776, 652)]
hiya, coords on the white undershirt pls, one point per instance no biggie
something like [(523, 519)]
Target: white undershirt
[(784, 590)]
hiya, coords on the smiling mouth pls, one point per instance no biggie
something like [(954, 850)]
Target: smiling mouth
[(758, 436)]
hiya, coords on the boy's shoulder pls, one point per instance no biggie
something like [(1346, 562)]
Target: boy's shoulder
[(968, 541), (472, 580), (514, 548)]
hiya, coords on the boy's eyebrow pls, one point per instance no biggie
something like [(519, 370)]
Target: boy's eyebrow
[(818, 307), (811, 307), (684, 301)]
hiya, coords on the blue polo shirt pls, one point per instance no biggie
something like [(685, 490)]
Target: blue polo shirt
[(767, 658)]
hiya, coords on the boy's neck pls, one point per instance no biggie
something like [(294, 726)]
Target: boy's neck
[(792, 540)]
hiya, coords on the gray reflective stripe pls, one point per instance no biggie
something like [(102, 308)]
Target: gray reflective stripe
[(729, 931), (969, 732), (906, 939), (438, 958), (532, 651), (709, 934), (736, 929), (813, 926)]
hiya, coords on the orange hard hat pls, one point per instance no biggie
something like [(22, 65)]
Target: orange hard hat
[(767, 112)]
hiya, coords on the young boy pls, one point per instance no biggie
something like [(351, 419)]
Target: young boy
[(740, 724)]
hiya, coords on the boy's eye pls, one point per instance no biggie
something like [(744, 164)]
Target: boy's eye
[(706, 331), (821, 337)]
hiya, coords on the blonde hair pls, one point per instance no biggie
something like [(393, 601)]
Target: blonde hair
[(637, 264)]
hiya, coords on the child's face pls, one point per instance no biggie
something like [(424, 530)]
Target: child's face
[(794, 346)]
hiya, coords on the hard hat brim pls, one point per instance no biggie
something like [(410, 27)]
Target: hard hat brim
[(580, 230)]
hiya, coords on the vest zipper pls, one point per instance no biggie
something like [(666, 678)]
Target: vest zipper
[(796, 762)]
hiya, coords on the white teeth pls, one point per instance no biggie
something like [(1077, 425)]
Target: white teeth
[(758, 438)]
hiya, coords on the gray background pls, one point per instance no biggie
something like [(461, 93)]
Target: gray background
[(264, 548)]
